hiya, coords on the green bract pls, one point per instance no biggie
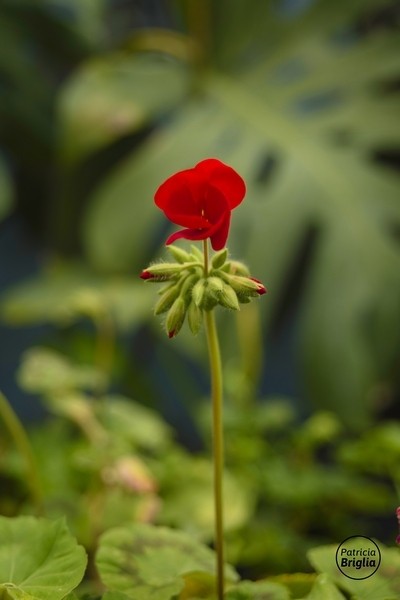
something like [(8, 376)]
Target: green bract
[(193, 288)]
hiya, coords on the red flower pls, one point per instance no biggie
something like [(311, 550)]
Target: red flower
[(201, 200)]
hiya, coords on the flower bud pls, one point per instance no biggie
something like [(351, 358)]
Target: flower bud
[(175, 317), (179, 254), (214, 286), (219, 258), (261, 287), (243, 285), (195, 317), (167, 299), (228, 297), (161, 271), (198, 291), (238, 268)]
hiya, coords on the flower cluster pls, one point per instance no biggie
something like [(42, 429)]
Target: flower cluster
[(190, 290)]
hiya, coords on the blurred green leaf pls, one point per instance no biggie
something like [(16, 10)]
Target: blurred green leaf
[(324, 589), (383, 585), (148, 563), (258, 590), (114, 95), (46, 371), (65, 293), (38, 559), (140, 425), (189, 497)]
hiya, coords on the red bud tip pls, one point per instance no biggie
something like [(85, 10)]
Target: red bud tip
[(146, 275), (171, 334), (261, 287), (398, 540)]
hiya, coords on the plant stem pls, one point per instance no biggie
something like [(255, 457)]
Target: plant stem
[(218, 434), (205, 252), (23, 444)]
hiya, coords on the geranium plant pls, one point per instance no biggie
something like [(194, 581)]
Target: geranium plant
[(201, 200)]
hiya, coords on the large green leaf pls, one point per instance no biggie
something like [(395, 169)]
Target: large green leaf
[(298, 108), (39, 559), (114, 95), (65, 293), (382, 585), (149, 563), (258, 590)]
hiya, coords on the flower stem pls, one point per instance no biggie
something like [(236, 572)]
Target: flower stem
[(205, 252), (214, 354), (22, 442), (218, 443)]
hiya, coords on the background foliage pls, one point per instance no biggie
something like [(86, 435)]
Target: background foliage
[(100, 100)]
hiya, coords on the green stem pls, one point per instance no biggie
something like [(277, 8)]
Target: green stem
[(218, 434), (205, 252), (22, 442)]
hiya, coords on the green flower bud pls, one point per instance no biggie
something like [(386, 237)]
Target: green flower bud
[(214, 286), (228, 298), (238, 268), (179, 254), (196, 253), (198, 291), (219, 258), (161, 271), (167, 299), (242, 285), (195, 318), (175, 317)]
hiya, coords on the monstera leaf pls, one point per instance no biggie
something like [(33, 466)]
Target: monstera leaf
[(299, 102)]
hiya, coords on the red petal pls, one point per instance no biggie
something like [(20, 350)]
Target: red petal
[(224, 178)]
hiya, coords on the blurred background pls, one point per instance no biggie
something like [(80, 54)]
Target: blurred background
[(101, 100)]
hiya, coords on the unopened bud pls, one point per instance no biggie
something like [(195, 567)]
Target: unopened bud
[(219, 258), (167, 299), (261, 287), (228, 298), (195, 318), (214, 286), (179, 254), (175, 317), (238, 268), (198, 291), (161, 271), (243, 285)]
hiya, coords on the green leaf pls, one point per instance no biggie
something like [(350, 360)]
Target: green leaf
[(39, 559), (382, 585), (66, 292), (46, 371), (116, 94), (324, 589), (134, 422), (259, 590), (149, 563)]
